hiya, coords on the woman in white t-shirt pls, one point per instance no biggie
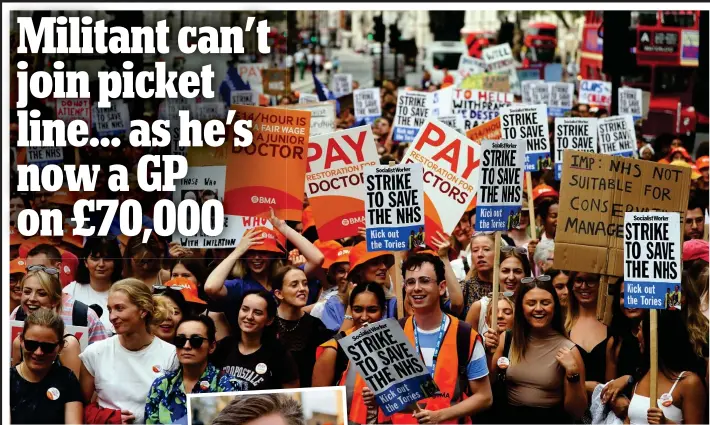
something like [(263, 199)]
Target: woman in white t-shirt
[(102, 266), (121, 369)]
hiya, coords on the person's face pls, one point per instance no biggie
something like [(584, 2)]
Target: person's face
[(631, 313), (585, 288), (482, 253), (383, 127), (252, 315), (676, 143), (538, 308), (15, 289), (40, 198), (206, 198), (524, 218), (339, 272), (423, 289), (511, 272), (551, 220), (257, 261), (462, 231), (677, 156), (16, 206), (125, 316), (189, 355), (505, 318), (560, 285), (647, 155), (39, 359), (548, 262), (694, 224), (143, 264), (181, 271), (34, 296), (166, 329), (375, 270), (99, 268), (365, 309), (295, 289), (40, 260), (583, 110), (705, 177)]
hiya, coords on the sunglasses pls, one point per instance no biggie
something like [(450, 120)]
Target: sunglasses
[(539, 279), (483, 233), (47, 347), (195, 341), (49, 270), (506, 293), (161, 289), (519, 249)]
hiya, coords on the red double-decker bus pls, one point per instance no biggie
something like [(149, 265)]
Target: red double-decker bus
[(666, 50)]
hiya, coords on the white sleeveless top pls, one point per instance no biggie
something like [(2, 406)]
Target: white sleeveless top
[(638, 408)]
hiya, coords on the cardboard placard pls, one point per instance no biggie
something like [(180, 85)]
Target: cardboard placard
[(277, 82), (540, 93), (113, 120), (334, 180), (500, 59), (617, 136), (412, 112), (307, 98), (578, 134), (69, 110), (390, 366), (169, 110), (367, 104), (477, 107), (205, 111), (322, 116), (269, 173), (631, 102), (244, 97), (394, 207), (595, 192), (488, 130), (526, 90), (560, 99), (451, 166), (470, 66), (499, 82), (652, 260), (45, 156), (595, 93), (342, 84), (500, 185), (529, 123), (80, 332), (251, 74)]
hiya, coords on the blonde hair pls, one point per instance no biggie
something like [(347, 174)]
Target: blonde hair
[(472, 273), (489, 312), (46, 319), (140, 295), (49, 283), (241, 269)]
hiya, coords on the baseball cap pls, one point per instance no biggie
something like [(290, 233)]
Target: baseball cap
[(359, 255), (18, 265), (695, 249), (273, 241), (703, 162), (544, 191), (188, 289)]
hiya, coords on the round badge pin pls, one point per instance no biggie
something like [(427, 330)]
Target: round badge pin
[(261, 368), (666, 400), (204, 385), (66, 270), (53, 394), (156, 369), (503, 362)]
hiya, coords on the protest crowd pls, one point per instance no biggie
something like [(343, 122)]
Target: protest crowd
[(122, 330)]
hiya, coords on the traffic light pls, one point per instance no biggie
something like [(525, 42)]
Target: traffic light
[(379, 29), (394, 36)]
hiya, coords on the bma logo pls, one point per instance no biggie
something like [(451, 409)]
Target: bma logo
[(263, 200)]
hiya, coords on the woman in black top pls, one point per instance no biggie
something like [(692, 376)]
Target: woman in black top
[(42, 391), (254, 356), (299, 332)]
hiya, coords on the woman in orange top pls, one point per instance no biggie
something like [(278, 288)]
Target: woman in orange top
[(332, 368)]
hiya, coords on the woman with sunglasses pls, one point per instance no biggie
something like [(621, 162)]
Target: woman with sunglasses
[(121, 369), (41, 390), (581, 324), (543, 371), (332, 368), (253, 354), (167, 399)]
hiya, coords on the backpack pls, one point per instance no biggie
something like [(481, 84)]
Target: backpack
[(79, 314)]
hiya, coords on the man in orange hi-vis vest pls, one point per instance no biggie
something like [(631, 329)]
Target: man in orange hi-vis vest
[(444, 343)]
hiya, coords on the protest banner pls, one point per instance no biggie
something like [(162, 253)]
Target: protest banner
[(553, 72), (487, 130), (529, 123), (322, 116), (251, 74), (526, 90), (69, 110), (439, 102), (342, 84), (595, 93), (113, 120), (617, 136), (500, 59), (269, 173), (394, 207), (335, 180), (573, 133), (412, 112), (652, 260), (528, 74), (476, 106), (80, 332), (205, 111), (169, 110), (454, 121), (277, 82), (595, 192), (540, 93), (307, 98), (631, 102), (42, 156), (451, 164), (470, 66), (499, 82), (367, 104), (561, 99), (244, 97), (389, 364), (500, 185)]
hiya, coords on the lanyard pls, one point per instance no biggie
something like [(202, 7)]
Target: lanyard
[(439, 339)]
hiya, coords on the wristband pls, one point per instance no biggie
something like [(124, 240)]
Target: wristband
[(574, 378), (347, 317)]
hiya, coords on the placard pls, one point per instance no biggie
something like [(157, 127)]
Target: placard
[(69, 110), (205, 111), (307, 98), (42, 156), (561, 99), (500, 185), (595, 192), (277, 82), (499, 82), (529, 123), (169, 110), (335, 182), (342, 84), (487, 130), (528, 74), (322, 116), (578, 134), (631, 102), (439, 102), (244, 97), (80, 332), (470, 66), (394, 207), (367, 105), (251, 74), (500, 59), (553, 72), (412, 112), (526, 90), (113, 120), (390, 366), (540, 94), (617, 136), (652, 260), (476, 106), (453, 121), (595, 93)]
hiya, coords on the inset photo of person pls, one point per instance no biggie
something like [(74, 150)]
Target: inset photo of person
[(299, 406)]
